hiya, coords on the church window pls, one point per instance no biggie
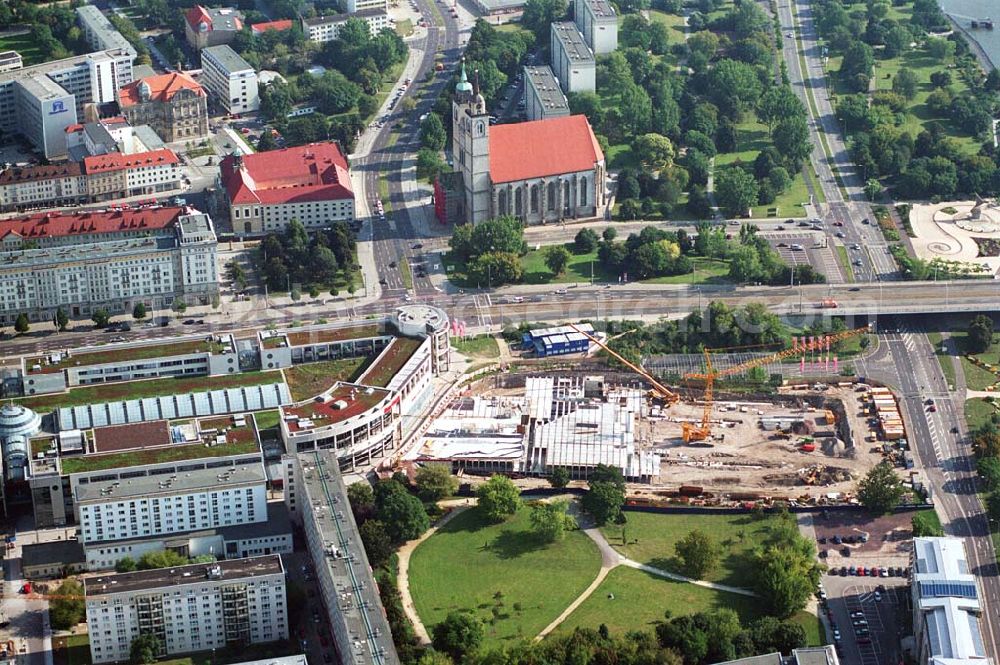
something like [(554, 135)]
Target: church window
[(518, 203), (551, 205), (566, 200), (583, 191), (534, 198), (502, 201)]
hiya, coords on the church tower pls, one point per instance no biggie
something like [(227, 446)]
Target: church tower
[(470, 149)]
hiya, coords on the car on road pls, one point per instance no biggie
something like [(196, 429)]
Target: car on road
[(855, 246), (418, 245), (878, 596), (797, 247), (854, 288), (188, 322), (865, 221), (843, 571), (560, 292), (838, 223), (782, 244), (840, 234)]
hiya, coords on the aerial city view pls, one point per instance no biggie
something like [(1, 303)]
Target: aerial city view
[(500, 332)]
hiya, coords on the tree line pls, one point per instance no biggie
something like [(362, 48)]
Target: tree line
[(293, 258)]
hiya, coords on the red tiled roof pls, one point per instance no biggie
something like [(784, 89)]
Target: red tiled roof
[(196, 15), (40, 172), (66, 223), (72, 129), (314, 172), (115, 161), (542, 148), (162, 88), (258, 28)]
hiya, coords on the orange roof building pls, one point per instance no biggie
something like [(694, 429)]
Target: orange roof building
[(266, 190), (173, 104), (539, 171), (211, 26), (278, 26)]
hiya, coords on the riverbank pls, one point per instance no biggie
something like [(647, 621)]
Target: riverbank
[(984, 59)]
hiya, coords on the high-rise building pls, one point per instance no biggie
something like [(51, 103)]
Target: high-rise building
[(199, 607), (543, 97), (598, 24), (99, 32), (230, 79), (573, 61)]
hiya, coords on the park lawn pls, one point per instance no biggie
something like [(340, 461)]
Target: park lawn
[(630, 599), (307, 380), (469, 561), (707, 271), (404, 27), (110, 392), (620, 156), (977, 412), (30, 51), (577, 270), (480, 346), (976, 378), (267, 419), (651, 538)]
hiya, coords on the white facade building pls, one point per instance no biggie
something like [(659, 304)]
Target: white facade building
[(326, 28), (543, 97), (572, 60), (230, 79), (598, 24), (173, 256), (190, 608), (99, 32), (10, 60)]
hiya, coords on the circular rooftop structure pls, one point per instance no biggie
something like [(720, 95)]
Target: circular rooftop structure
[(18, 421), (420, 320)]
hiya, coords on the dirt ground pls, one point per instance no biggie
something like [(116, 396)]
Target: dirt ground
[(889, 539), (742, 455)]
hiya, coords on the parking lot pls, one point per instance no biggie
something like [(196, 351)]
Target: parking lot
[(805, 246)]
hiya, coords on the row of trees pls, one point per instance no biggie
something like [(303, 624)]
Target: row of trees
[(53, 28), (490, 251)]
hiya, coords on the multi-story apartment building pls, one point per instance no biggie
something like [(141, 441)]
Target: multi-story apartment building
[(265, 191), (946, 604), (230, 79), (10, 60), (572, 60), (175, 256), (543, 97), (211, 26), (173, 104), (190, 608), (31, 106), (355, 6), (102, 177), (99, 32), (326, 28), (598, 23), (356, 616)]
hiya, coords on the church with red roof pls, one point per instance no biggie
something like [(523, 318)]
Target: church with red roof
[(266, 190), (539, 171)]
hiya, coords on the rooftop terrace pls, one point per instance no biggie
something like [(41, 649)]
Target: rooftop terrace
[(325, 335), (391, 361), (345, 401), (52, 363)]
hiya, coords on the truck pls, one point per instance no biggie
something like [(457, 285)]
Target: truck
[(828, 303)]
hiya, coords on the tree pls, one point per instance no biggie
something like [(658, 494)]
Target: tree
[(992, 502), (362, 499), (784, 578), (989, 471), (100, 317), (145, 649), (653, 151), (905, 83), (779, 103), (606, 496), (586, 241), (402, 513), (736, 191), (435, 482), (556, 258), (559, 477), (266, 142), (126, 564), (872, 189), (980, 334), (698, 553), (161, 559), (734, 86), (459, 634), (881, 490), (499, 498), (540, 14), (378, 544), (926, 524), (432, 132), (549, 520), (61, 319), (495, 269), (139, 311), (68, 607), (21, 324), (429, 164), (323, 264)]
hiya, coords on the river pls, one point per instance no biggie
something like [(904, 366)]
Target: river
[(989, 40)]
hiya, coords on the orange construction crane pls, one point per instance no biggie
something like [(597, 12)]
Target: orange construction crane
[(659, 390), (692, 432)]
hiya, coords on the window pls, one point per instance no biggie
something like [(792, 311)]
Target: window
[(534, 198), (518, 203), (502, 201), (551, 205), (583, 191)]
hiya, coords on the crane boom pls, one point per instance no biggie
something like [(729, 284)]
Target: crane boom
[(662, 391), (698, 433)]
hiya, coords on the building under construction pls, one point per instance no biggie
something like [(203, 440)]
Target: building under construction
[(574, 423)]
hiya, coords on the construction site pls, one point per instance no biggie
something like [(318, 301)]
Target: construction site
[(710, 440)]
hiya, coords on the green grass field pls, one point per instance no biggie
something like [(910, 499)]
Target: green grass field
[(630, 599), (977, 412), (651, 538), (310, 379), (845, 262), (578, 270), (30, 52), (481, 346), (943, 357), (267, 419), (468, 562)]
